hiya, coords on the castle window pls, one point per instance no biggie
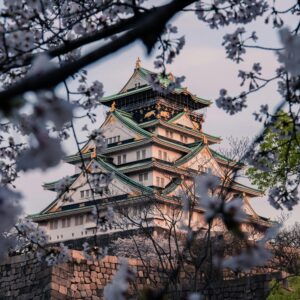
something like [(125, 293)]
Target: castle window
[(138, 155), (140, 177), (87, 193), (115, 139), (143, 153), (66, 222), (53, 224), (169, 134), (110, 140), (124, 158), (157, 181), (160, 181), (159, 154), (118, 138), (143, 177), (165, 156), (81, 194), (119, 159), (78, 220)]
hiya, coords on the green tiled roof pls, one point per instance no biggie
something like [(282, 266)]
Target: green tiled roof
[(164, 81), (176, 117), (224, 158), (126, 119), (59, 213), (195, 150), (119, 175), (246, 188), (131, 92), (51, 185), (122, 176), (180, 128), (76, 157), (172, 186)]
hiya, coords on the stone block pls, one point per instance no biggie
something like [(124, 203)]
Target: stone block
[(87, 280), (93, 286), (112, 259), (54, 286), (63, 290)]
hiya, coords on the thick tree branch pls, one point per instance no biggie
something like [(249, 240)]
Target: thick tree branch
[(69, 46), (148, 29)]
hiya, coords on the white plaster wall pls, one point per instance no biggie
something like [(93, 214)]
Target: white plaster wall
[(176, 135), (167, 177), (116, 128), (115, 188), (144, 182), (131, 155), (87, 229), (171, 155), (202, 162), (185, 121), (135, 80)]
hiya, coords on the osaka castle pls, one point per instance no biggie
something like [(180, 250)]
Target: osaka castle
[(155, 146)]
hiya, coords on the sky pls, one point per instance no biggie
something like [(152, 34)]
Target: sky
[(203, 62)]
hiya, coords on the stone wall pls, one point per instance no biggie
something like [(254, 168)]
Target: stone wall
[(26, 278)]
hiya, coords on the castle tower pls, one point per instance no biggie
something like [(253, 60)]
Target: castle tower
[(155, 147)]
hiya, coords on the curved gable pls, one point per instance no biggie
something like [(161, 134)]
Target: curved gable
[(120, 185), (183, 119), (200, 159)]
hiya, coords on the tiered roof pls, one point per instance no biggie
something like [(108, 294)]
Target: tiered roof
[(142, 128), (144, 74)]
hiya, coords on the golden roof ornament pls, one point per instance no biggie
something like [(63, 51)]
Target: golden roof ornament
[(94, 153), (138, 63), (113, 106), (205, 140), (171, 76)]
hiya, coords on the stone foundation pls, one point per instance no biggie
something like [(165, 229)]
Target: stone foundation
[(26, 278)]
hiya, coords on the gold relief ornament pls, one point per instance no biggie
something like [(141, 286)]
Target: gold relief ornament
[(171, 76), (185, 91), (94, 153), (150, 114), (113, 106), (196, 125), (165, 114), (205, 140), (138, 63)]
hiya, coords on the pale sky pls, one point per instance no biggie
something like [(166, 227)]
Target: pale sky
[(203, 62)]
